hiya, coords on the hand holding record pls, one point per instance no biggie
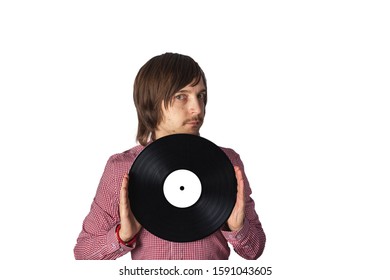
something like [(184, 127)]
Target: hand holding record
[(236, 219), (129, 224)]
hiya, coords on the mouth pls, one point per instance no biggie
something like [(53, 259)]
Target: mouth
[(194, 123)]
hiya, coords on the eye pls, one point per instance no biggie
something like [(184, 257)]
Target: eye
[(202, 95), (180, 96)]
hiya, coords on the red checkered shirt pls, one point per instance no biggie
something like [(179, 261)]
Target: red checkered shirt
[(98, 240)]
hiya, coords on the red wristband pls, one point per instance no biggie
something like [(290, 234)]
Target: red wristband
[(129, 243)]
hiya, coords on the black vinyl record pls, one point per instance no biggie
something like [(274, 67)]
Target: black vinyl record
[(182, 187)]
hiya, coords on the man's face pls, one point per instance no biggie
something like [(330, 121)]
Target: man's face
[(186, 112)]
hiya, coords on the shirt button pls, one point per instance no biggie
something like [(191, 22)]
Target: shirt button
[(239, 236)]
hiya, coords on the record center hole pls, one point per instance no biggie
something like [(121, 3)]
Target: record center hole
[(181, 188)]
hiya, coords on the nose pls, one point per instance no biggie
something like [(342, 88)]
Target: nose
[(196, 106)]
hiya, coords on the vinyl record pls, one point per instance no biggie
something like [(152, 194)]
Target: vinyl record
[(182, 187)]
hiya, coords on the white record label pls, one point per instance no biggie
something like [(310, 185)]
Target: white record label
[(182, 188)]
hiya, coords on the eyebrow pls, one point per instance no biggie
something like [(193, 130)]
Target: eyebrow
[(186, 91)]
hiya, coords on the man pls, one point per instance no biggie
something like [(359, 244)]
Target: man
[(170, 95)]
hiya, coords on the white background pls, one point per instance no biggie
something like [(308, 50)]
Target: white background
[(298, 88)]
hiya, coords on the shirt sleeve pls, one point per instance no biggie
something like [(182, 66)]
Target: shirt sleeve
[(249, 241), (97, 240)]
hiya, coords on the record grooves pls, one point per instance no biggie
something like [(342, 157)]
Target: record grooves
[(182, 187)]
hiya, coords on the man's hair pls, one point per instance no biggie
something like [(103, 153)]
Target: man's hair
[(156, 82)]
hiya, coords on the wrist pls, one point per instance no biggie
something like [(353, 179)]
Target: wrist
[(235, 227), (126, 243)]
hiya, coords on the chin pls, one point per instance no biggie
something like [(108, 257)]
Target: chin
[(192, 132)]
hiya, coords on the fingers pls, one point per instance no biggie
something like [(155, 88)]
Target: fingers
[(126, 215), (240, 183), (236, 219), (124, 204)]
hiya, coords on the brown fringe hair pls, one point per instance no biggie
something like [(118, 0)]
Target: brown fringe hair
[(156, 82)]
